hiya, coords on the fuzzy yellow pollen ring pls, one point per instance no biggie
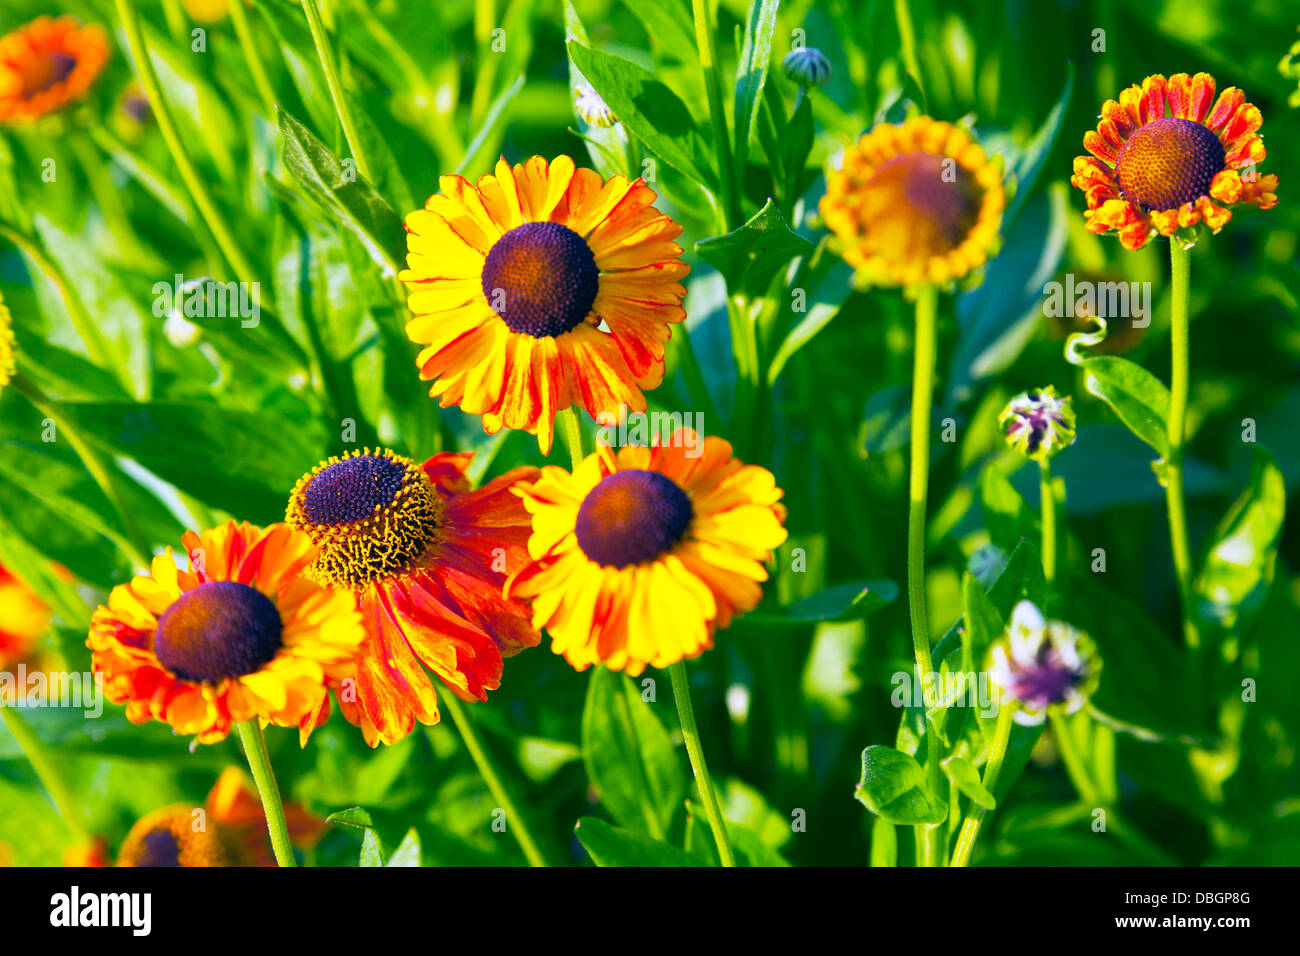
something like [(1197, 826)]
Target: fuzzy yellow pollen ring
[(372, 515)]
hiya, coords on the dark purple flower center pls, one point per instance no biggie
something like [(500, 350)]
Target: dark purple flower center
[(541, 278), (1169, 162), (219, 630), (160, 848), (1048, 680), (1035, 418), (631, 517), (353, 489)]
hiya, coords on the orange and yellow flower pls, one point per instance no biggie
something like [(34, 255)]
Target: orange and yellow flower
[(426, 558), (24, 620), (914, 203), (638, 556), (1168, 156), (47, 65), (228, 830), (239, 635), (539, 288)]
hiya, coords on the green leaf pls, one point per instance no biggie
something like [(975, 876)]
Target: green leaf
[(610, 846), (998, 317), (114, 308), (79, 548), (751, 72), (1030, 161), (751, 256), (478, 154), (668, 22), (887, 419), (893, 788), (243, 462), (338, 188), (967, 779), (407, 852), (68, 374), (1138, 397), (652, 111), (372, 849), (840, 602), (629, 756), (355, 817), (1242, 552), (982, 624), (823, 304), (1006, 515)]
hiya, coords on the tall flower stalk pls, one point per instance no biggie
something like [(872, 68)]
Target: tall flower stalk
[(700, 767), (1179, 385), (930, 838), (259, 761)]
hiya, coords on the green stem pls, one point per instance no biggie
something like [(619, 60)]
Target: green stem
[(517, 823), (1180, 264), (648, 811), (1048, 503), (250, 734), (203, 201), (45, 770), (572, 434), (922, 388), (691, 734), (705, 40), (326, 54), (970, 828), (256, 69)]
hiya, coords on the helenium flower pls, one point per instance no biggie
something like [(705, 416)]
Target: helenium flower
[(1043, 667)]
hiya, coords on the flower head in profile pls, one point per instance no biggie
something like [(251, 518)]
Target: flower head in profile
[(1043, 667), (1168, 156), (47, 65), (592, 108), (916, 203), (1038, 423), (237, 635), (539, 288), (228, 830), (640, 555), (806, 66), (426, 558)]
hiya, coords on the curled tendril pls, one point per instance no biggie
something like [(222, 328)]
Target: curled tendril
[(1084, 340)]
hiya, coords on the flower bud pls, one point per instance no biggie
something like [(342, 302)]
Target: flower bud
[(1043, 667), (806, 66), (1038, 423), (593, 110)]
